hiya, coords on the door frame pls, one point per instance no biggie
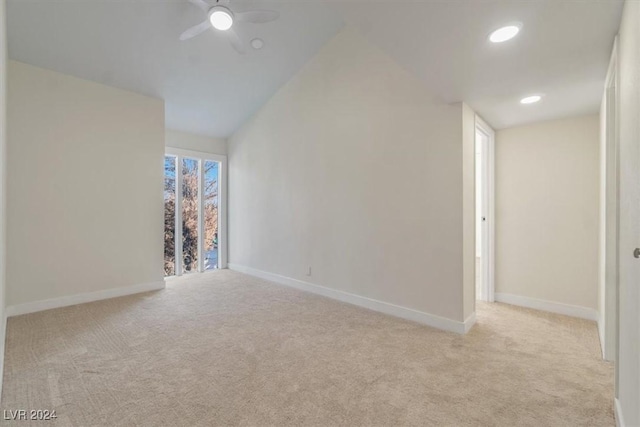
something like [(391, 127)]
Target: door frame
[(201, 157), (610, 215), (488, 232)]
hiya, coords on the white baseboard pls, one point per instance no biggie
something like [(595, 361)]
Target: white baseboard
[(468, 324), (550, 306), (617, 409), (48, 304), (371, 304)]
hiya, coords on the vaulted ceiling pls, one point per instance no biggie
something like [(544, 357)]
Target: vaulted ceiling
[(562, 52)]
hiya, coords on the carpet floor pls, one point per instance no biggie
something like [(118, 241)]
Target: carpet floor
[(223, 348)]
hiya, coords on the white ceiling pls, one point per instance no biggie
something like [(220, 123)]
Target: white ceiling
[(561, 52), (207, 86)]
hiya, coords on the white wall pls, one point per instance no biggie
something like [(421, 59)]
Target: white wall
[(629, 274), (3, 174), (85, 203), (355, 170), (191, 141), (547, 204)]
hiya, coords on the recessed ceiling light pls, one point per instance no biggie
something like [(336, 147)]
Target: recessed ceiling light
[(505, 33), (530, 99), (257, 43), (221, 18)]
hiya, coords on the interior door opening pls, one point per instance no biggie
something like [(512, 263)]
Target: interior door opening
[(484, 148)]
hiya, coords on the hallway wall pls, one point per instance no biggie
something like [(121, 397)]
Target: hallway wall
[(547, 213)]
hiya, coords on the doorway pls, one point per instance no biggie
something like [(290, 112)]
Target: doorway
[(484, 211), (610, 217)]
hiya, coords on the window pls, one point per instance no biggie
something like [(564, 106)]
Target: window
[(169, 215), (193, 212), (210, 195), (190, 214)]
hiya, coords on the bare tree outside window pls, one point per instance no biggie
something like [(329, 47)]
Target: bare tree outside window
[(211, 214), (190, 171), (169, 215), (190, 214)]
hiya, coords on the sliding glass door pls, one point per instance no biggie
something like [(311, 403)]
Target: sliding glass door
[(194, 238)]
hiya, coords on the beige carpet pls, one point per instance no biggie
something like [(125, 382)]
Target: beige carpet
[(222, 348)]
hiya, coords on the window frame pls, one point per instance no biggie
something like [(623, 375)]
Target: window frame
[(200, 157)]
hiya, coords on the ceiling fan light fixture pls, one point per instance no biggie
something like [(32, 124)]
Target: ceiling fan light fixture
[(221, 18)]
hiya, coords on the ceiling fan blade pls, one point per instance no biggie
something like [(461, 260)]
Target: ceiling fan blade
[(257, 16), (201, 4), (235, 41), (195, 30)]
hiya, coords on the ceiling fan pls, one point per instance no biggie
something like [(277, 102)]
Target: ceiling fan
[(223, 19)]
